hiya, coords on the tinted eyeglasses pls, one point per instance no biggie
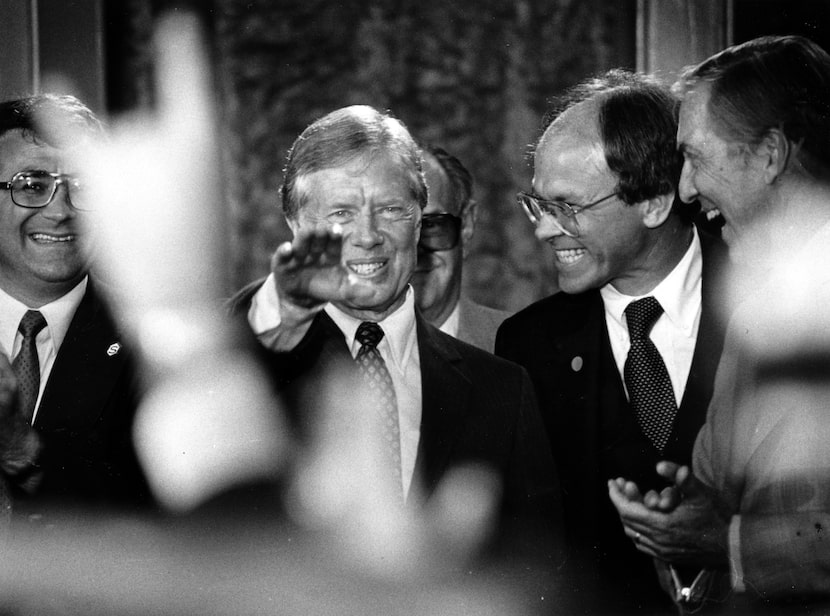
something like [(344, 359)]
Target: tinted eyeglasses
[(36, 188), (563, 212), (439, 232)]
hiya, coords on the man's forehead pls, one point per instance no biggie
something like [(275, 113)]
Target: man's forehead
[(438, 185), (20, 148), (383, 174)]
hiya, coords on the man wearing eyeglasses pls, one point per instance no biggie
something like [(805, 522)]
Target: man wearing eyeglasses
[(623, 358), (446, 230), (75, 380)]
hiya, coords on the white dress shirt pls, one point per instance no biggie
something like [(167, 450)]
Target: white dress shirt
[(450, 326), (398, 348), (58, 315), (675, 331)]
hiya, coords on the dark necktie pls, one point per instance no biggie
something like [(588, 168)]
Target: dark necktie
[(382, 391), (646, 378), (26, 365)]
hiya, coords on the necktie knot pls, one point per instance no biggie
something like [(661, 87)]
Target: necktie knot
[(31, 323), (641, 316), (369, 334)]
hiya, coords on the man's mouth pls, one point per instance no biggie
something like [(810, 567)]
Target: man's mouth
[(49, 238), (714, 217), (569, 256), (366, 268)]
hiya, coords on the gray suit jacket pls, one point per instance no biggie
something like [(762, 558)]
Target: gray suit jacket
[(477, 324)]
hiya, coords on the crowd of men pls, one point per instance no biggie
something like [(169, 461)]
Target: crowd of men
[(657, 428)]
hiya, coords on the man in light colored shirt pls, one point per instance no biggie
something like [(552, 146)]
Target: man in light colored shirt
[(446, 231), (76, 385), (605, 172), (353, 195), (754, 506)]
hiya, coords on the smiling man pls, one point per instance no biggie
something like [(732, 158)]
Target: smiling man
[(338, 304), (76, 383), (605, 174), (754, 506)]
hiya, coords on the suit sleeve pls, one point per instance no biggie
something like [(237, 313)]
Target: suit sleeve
[(533, 497), (786, 553)]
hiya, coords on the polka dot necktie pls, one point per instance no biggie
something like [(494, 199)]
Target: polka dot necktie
[(646, 378), (374, 371), (26, 365)]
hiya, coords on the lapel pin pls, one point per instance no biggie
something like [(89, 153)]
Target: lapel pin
[(113, 349), (576, 364)]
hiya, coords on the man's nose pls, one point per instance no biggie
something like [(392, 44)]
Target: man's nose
[(61, 205), (686, 189), (548, 228), (365, 232)]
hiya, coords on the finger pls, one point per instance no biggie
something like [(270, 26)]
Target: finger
[(651, 499), (282, 256), (632, 491), (619, 497), (334, 247), (668, 470), (670, 498)]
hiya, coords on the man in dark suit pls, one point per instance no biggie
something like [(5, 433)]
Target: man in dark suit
[(446, 231), (76, 383), (606, 169), (337, 312)]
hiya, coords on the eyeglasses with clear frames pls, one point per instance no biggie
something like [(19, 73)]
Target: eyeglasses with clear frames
[(35, 188), (563, 212)]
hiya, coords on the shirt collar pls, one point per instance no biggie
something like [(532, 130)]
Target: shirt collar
[(450, 326), (58, 315), (398, 329), (678, 293)]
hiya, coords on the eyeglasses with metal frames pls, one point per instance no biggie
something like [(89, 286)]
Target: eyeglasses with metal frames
[(35, 188), (564, 213)]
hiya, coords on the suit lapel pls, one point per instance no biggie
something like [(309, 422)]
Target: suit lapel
[(708, 348), (585, 351), (85, 371), (445, 392)]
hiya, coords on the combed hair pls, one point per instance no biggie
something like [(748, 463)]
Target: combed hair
[(770, 82), (461, 180), (34, 115), (637, 123), (345, 135)]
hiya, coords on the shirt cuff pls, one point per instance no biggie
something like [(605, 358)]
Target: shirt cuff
[(264, 313), (736, 566)]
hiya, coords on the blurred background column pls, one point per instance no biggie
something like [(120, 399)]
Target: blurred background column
[(53, 45)]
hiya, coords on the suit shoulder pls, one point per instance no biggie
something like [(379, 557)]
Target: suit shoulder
[(556, 311), (241, 300)]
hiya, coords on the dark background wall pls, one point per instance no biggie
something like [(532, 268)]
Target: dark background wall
[(470, 75)]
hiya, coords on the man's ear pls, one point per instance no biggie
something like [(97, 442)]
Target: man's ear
[(656, 210), (775, 152), (468, 223)]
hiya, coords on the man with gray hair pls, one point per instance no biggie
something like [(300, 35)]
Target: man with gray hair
[(338, 302), (754, 507)]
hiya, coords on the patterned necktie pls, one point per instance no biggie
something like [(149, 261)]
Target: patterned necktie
[(646, 378), (374, 371), (26, 365)]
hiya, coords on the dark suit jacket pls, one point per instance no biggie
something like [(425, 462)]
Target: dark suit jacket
[(475, 408), (85, 419), (563, 343)]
